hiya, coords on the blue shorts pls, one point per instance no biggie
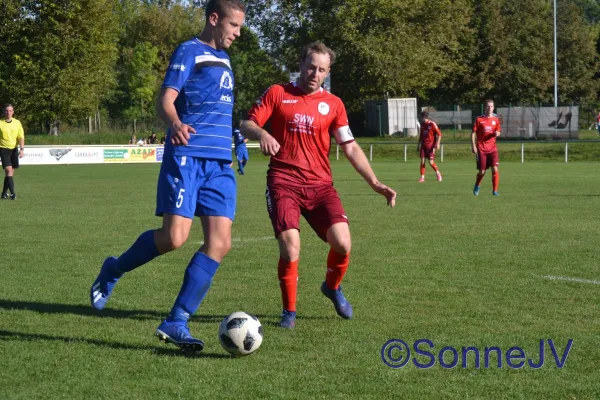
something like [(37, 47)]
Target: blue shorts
[(241, 153), (191, 186)]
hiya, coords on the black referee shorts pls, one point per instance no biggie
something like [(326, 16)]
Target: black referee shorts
[(10, 157)]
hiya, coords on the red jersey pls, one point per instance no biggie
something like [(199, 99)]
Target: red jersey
[(302, 125), (429, 134), (486, 127)]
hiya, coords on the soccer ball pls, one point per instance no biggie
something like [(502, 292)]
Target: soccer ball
[(240, 333)]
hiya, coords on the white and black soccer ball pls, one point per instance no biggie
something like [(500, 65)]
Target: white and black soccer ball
[(240, 333)]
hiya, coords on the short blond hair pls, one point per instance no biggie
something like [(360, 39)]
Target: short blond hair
[(317, 47)]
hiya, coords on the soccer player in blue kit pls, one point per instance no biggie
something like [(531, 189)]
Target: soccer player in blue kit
[(241, 151), (196, 102)]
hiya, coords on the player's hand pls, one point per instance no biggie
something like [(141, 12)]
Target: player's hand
[(268, 145), (387, 192), (180, 134), (474, 150), (21, 153), (437, 147)]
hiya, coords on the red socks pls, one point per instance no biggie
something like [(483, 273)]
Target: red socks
[(422, 169), (479, 178), (287, 271), (495, 180), (434, 166), (337, 265)]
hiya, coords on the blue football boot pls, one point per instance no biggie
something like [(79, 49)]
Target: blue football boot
[(178, 334), (104, 284), (476, 190), (342, 307), (288, 319)]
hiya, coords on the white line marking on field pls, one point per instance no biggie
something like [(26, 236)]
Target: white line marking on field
[(566, 278), (256, 239)]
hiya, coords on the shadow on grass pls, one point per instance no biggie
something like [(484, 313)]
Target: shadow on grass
[(55, 308), (28, 337)]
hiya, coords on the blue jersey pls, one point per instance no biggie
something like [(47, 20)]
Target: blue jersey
[(238, 138), (204, 80)]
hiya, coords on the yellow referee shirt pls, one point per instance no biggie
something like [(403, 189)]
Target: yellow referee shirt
[(10, 133)]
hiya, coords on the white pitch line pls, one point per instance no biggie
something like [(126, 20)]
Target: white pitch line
[(566, 278)]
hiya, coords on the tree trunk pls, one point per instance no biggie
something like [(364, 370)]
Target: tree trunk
[(53, 131)]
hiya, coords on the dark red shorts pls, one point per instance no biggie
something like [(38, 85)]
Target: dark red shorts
[(487, 160), (319, 205), (428, 152)]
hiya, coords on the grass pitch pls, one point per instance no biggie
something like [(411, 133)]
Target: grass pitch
[(443, 265)]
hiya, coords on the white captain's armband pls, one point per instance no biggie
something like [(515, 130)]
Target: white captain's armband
[(343, 135)]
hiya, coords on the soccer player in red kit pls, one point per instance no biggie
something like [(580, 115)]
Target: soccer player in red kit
[(429, 141), (483, 143), (299, 182)]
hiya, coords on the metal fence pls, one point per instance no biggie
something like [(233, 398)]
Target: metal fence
[(518, 121), (519, 150)]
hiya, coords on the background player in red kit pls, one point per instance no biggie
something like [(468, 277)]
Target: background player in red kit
[(299, 180), (429, 141), (483, 143)]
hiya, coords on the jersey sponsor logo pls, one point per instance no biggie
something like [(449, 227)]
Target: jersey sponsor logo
[(226, 98), (226, 81), (323, 108), (493, 122), (303, 119), (59, 153), (289, 101), (177, 67)]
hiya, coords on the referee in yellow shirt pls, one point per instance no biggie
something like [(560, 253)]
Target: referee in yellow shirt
[(11, 133)]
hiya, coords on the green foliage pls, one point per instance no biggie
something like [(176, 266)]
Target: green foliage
[(60, 59), (64, 60), (142, 81), (254, 71)]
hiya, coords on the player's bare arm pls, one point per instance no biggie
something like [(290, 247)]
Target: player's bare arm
[(359, 161), (473, 144), (268, 145), (21, 147), (180, 132)]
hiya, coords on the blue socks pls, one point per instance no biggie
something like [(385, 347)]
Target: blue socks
[(142, 251), (241, 165), (196, 283)]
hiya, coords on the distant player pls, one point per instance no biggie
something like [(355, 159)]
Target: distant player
[(195, 179), (241, 151), (483, 143), (429, 141), (11, 135), (303, 116)]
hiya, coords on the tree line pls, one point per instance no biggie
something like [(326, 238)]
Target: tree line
[(63, 60)]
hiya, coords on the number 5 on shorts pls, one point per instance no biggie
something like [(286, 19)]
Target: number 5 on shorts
[(180, 198)]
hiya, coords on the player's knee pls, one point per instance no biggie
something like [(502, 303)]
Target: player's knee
[(342, 245), (221, 246), (289, 248), (173, 240), (289, 251)]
